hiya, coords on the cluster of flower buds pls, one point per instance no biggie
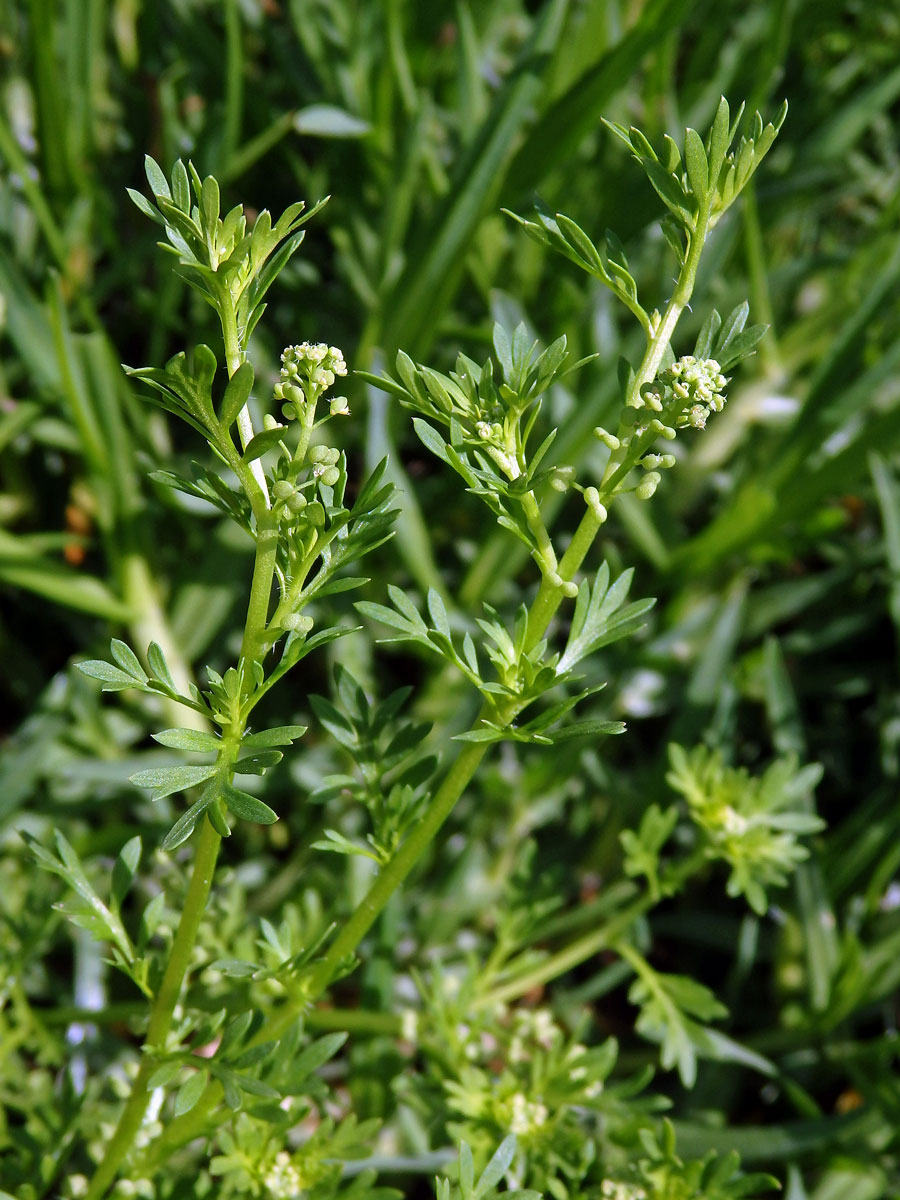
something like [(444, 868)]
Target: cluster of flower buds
[(612, 1189), (692, 386), (307, 371), (489, 431), (290, 502), (324, 460)]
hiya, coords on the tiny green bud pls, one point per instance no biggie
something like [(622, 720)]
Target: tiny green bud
[(561, 479), (297, 623), (608, 439), (665, 431), (592, 500), (289, 412), (566, 586), (647, 486), (269, 422)]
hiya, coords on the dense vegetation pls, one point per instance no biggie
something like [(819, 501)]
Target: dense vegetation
[(641, 955)]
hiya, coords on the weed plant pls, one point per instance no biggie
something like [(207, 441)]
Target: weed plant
[(360, 886)]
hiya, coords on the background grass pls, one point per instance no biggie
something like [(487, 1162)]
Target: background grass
[(774, 548)]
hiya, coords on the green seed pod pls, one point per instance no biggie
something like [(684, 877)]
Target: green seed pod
[(282, 489), (297, 502), (330, 476)]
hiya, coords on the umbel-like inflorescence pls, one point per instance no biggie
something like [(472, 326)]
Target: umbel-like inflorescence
[(307, 372), (692, 387)]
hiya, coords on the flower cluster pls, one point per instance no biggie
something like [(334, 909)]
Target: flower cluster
[(693, 387), (324, 460), (283, 1178), (752, 823), (613, 1190), (307, 371)]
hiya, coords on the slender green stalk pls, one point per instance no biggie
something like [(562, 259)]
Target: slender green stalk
[(207, 849), (393, 875), (207, 843), (252, 644), (565, 959)]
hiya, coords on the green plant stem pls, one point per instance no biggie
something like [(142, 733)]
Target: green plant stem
[(252, 647), (206, 853), (207, 849), (539, 529), (364, 916), (185, 1128), (234, 356), (589, 944)]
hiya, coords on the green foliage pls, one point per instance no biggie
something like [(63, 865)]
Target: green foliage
[(751, 824)]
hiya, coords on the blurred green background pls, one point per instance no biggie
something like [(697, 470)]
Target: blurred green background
[(774, 548)]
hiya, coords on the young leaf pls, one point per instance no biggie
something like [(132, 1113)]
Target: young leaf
[(124, 870), (112, 678), (165, 781), (696, 164), (190, 1092), (237, 393), (188, 739), (281, 735), (247, 807)]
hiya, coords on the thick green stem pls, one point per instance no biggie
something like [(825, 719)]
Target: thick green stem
[(252, 645), (207, 850)]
